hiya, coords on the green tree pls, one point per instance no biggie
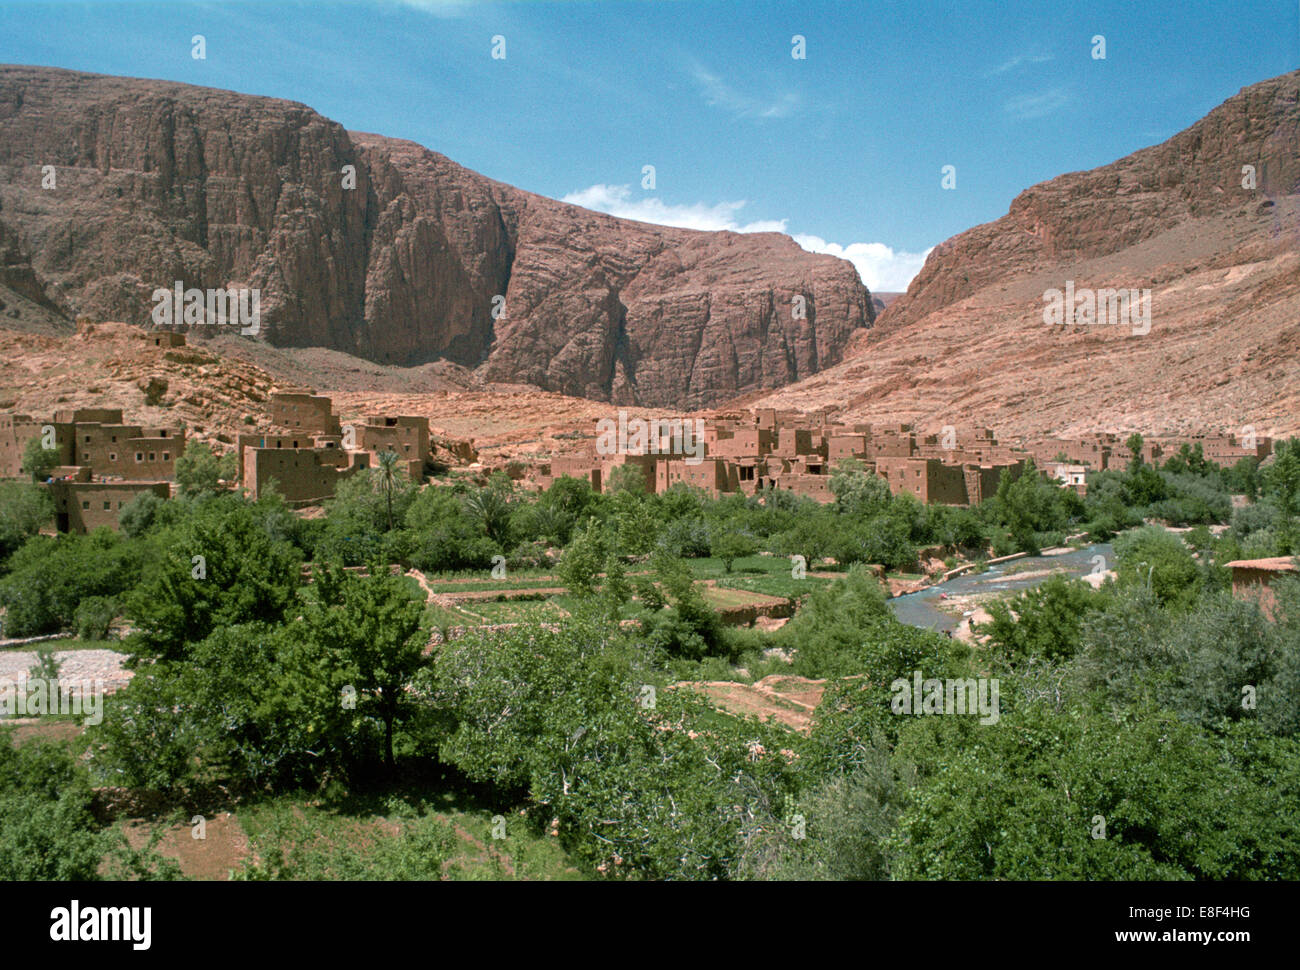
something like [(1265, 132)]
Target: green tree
[(1041, 622), (626, 480), (47, 828), (638, 529), (1134, 444), (1029, 505), (490, 508), (140, 514), (444, 535), (1028, 799), (569, 719), (732, 544), (857, 491), (848, 818), (580, 566), (372, 623), (148, 738), (217, 567), (49, 577), (24, 509), (388, 478), (1159, 560), (199, 471), (39, 461), (1281, 483)]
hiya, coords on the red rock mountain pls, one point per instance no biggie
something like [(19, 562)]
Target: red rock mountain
[(968, 342), (157, 182)]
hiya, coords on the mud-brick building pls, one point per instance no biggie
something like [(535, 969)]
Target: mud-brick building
[(1097, 451), (304, 476), (840, 447), (645, 464), (982, 480), (1224, 450), (164, 338), (114, 449), (739, 443), (793, 442), (891, 441), (18, 429), (931, 480), (305, 411), (580, 465), (406, 435), (809, 485), (290, 441), (96, 437), (1254, 579), (714, 475), (83, 503)]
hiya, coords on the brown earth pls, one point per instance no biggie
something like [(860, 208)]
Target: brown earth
[(213, 391), (785, 698), (223, 849)]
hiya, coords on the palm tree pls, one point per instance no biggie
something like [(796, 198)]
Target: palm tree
[(492, 509), (388, 479)]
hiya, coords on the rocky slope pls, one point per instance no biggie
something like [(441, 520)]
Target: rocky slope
[(218, 392), (968, 342), (157, 182), (1083, 215)]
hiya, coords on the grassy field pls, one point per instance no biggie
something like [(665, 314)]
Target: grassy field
[(722, 598), (434, 827), (774, 584), (452, 583), (440, 617), (72, 643), (713, 568), (446, 834), (518, 611)]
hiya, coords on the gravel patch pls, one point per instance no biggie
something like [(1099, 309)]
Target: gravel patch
[(77, 665)]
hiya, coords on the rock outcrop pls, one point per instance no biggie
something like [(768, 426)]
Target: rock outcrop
[(113, 187), (1196, 174), (968, 343)]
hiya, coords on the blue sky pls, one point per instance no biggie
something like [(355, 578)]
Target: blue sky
[(843, 149)]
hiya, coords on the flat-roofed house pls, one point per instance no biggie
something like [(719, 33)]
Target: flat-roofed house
[(1254, 579)]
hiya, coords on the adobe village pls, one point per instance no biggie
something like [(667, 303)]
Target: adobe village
[(98, 465), (306, 448)]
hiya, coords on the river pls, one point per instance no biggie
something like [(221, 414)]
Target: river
[(918, 609)]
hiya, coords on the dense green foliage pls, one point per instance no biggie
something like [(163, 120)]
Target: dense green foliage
[(1145, 730)]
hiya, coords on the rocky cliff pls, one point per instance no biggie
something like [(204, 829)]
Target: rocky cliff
[(113, 187), (968, 343), (1196, 174)]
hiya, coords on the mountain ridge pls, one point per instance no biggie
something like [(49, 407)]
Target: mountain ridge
[(967, 344), (410, 265)]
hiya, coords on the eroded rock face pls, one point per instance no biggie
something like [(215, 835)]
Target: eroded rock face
[(1196, 174), (157, 182), (1220, 261)]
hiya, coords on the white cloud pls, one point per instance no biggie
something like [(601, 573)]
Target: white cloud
[(719, 94), (439, 8), (617, 201), (1037, 105), (880, 266), (1016, 61)]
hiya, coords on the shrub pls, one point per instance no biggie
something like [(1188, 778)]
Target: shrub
[(93, 616)]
